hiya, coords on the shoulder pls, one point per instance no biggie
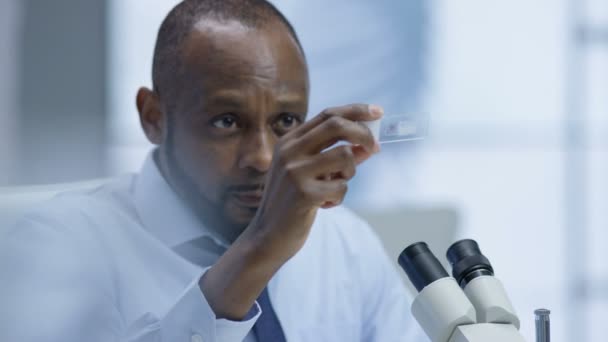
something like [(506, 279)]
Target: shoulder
[(79, 212), (65, 242)]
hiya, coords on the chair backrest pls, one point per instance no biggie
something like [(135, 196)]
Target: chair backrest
[(401, 226), (14, 201)]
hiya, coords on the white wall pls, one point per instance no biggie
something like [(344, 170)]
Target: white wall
[(132, 35), (497, 101), (498, 98)]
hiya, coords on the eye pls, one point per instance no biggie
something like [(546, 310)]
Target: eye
[(226, 121), (287, 121)]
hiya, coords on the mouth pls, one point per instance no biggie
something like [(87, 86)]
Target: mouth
[(249, 199)]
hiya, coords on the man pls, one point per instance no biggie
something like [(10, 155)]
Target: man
[(222, 236)]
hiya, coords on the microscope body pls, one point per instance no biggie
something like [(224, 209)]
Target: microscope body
[(448, 314), (479, 332), (472, 306)]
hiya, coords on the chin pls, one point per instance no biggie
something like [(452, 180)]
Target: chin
[(240, 216)]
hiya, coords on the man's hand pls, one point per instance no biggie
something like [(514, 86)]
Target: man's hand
[(305, 175)]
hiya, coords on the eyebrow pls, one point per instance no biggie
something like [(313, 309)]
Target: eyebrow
[(230, 100), (234, 99)]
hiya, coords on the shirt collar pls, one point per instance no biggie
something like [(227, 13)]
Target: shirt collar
[(162, 212)]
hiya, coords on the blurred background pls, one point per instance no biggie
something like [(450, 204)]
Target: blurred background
[(517, 92)]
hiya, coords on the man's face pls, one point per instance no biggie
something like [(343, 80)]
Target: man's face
[(243, 89)]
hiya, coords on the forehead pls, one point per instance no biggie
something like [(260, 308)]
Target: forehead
[(227, 53)]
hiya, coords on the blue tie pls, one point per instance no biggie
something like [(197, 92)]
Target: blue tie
[(268, 328)]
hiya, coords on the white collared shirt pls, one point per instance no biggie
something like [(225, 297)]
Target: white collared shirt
[(112, 264)]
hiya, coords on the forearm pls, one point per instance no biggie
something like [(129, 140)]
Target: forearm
[(233, 284)]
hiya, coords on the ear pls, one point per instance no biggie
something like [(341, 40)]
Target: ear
[(151, 116)]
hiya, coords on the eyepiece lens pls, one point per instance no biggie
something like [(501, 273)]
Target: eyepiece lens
[(467, 262), (421, 265)]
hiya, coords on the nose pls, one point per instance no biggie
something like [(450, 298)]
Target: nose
[(256, 151)]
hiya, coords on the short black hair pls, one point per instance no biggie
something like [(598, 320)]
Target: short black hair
[(181, 20)]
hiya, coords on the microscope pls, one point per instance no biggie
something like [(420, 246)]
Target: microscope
[(471, 306)]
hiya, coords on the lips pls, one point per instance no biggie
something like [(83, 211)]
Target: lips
[(251, 199)]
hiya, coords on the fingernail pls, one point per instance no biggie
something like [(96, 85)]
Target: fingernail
[(377, 147), (376, 111)]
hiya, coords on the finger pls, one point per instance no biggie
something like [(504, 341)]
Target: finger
[(330, 132), (353, 112), (328, 194), (361, 154), (356, 112), (338, 162)]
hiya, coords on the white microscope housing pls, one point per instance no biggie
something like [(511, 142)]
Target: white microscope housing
[(472, 306)]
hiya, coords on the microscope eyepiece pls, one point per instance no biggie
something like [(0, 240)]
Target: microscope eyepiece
[(421, 265), (467, 262)]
